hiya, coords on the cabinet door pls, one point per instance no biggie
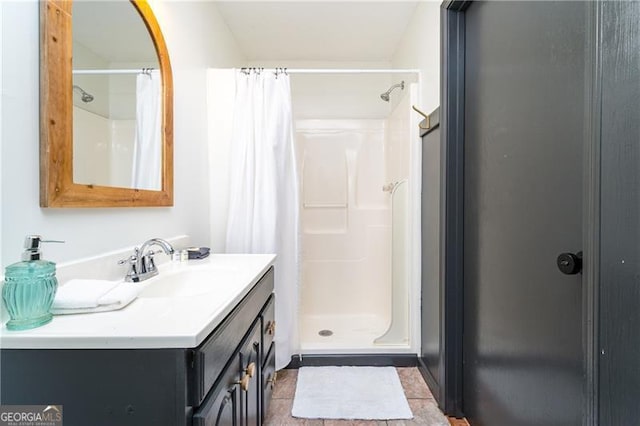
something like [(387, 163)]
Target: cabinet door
[(268, 380), (212, 355), (222, 406), (250, 376), (268, 326)]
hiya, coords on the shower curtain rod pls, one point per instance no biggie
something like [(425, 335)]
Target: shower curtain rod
[(347, 71), (336, 70), (108, 71)]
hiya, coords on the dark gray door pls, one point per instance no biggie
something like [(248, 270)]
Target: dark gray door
[(619, 350), (523, 142)]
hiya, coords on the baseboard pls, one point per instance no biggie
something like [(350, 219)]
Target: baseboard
[(358, 360), (432, 383)]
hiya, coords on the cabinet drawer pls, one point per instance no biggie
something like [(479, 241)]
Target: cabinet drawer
[(268, 380), (268, 326), (210, 358), (222, 406)]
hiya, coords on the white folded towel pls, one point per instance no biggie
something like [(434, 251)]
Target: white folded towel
[(81, 293), (86, 296), (121, 296)]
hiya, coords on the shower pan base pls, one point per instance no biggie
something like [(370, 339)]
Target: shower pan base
[(350, 334)]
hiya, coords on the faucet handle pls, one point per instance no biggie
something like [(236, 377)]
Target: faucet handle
[(148, 264), (131, 259)]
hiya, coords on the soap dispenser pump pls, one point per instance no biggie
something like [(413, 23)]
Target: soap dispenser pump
[(29, 287)]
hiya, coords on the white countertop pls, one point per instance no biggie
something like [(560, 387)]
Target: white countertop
[(183, 320)]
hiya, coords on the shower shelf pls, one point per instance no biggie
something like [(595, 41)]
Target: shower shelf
[(325, 206)]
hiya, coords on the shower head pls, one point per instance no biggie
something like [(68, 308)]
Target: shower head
[(385, 95), (84, 96)]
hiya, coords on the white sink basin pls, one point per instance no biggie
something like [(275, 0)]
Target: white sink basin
[(188, 282), (178, 308)]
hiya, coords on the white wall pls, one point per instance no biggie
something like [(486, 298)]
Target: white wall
[(221, 94), (102, 149), (397, 145), (338, 96), (96, 85), (1, 134), (197, 39), (91, 148), (420, 48), (123, 135)]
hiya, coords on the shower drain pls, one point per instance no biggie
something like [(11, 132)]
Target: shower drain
[(325, 333)]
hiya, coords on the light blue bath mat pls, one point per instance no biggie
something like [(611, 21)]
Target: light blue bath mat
[(365, 393)]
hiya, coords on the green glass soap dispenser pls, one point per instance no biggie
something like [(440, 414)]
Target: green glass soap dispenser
[(29, 287)]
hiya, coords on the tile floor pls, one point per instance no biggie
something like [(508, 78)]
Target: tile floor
[(423, 406)]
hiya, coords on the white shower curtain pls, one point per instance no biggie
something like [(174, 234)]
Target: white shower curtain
[(263, 194), (147, 152)]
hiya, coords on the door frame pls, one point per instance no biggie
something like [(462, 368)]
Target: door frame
[(452, 208)]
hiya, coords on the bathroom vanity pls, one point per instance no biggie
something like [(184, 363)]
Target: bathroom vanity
[(186, 352)]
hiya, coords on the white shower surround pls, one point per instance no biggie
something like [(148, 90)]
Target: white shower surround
[(103, 149), (364, 326), (345, 224), (346, 273)]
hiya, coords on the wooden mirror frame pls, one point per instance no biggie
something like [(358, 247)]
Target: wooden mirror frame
[(57, 188)]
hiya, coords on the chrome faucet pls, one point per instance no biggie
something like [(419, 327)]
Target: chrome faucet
[(141, 264)]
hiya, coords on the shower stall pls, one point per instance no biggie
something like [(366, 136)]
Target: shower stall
[(357, 142), (359, 173)]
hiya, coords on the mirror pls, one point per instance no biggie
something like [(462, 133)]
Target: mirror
[(116, 92), (106, 106)]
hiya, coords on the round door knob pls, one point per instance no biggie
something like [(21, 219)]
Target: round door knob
[(570, 263)]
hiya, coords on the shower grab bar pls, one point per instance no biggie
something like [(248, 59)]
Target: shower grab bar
[(427, 118), (325, 206)]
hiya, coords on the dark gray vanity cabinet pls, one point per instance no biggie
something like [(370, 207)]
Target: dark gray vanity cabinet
[(224, 381), (236, 399), (268, 360), (242, 395), (224, 405), (250, 366)]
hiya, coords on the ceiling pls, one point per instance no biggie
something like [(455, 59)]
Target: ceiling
[(353, 31), (367, 31), (113, 30), (276, 33)]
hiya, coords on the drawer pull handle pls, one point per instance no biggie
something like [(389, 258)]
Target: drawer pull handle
[(251, 369), (244, 383), (271, 328), (272, 380)]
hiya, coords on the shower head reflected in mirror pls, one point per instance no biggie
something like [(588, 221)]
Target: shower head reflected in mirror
[(84, 96), (385, 95)]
